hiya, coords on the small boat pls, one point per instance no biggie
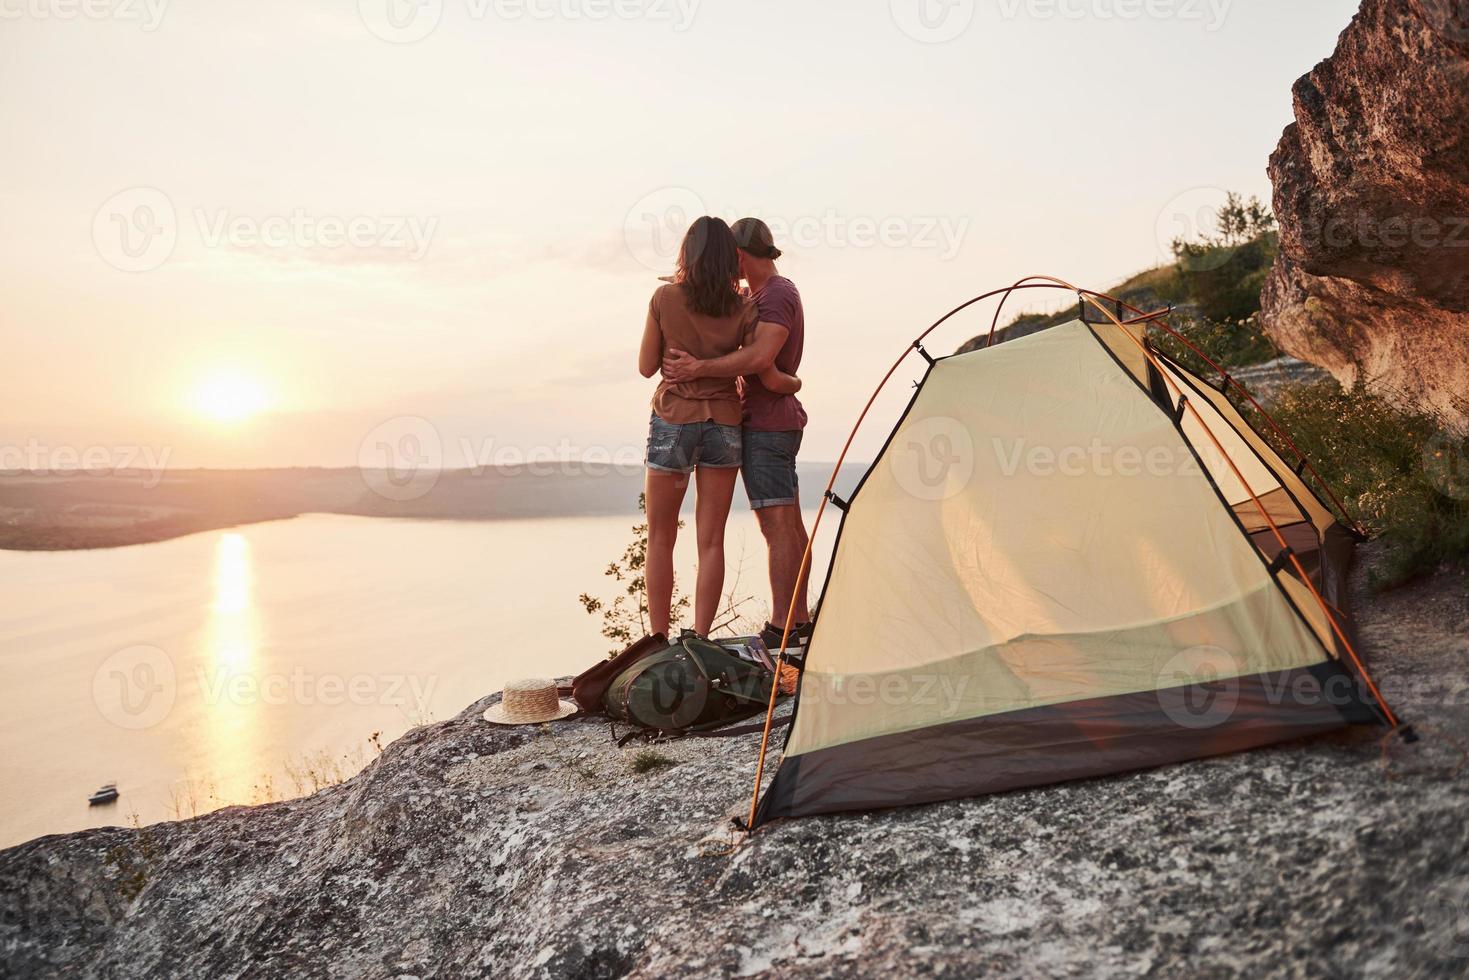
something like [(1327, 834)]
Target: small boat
[(106, 794)]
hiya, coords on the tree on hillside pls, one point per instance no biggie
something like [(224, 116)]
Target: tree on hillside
[(1225, 272)]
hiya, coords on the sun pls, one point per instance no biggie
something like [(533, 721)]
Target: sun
[(230, 396)]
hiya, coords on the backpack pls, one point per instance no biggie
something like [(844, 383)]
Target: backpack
[(687, 685)]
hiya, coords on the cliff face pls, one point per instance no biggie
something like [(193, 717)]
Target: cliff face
[(1372, 195), (471, 850)]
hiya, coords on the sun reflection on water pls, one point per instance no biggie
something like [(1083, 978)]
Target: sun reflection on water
[(230, 671)]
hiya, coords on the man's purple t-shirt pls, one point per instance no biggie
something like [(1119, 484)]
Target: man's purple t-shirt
[(765, 411)]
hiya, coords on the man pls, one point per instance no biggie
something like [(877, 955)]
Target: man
[(773, 423)]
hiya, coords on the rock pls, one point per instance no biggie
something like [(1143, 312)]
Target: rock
[(467, 849), (1372, 196)]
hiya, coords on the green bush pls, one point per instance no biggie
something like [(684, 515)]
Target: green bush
[(1230, 343), (1405, 477), (1223, 274), (1225, 281)]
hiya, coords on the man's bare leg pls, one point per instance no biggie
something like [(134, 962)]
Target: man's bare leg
[(785, 537)]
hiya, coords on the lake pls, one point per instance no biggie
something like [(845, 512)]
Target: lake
[(252, 664)]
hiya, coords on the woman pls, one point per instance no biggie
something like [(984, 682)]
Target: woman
[(695, 427)]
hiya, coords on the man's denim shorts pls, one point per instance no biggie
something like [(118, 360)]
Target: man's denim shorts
[(770, 467), (674, 448)]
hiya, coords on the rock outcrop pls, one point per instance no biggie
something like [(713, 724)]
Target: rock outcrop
[(470, 850), (1372, 195)]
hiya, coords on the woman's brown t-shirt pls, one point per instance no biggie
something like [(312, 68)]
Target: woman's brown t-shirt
[(705, 337)]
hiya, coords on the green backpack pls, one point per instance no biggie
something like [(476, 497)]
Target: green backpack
[(691, 685)]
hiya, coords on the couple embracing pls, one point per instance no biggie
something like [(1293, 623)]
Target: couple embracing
[(726, 404)]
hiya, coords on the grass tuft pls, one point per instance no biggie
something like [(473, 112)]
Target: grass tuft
[(647, 761)]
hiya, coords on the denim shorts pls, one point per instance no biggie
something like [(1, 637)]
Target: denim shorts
[(674, 448), (770, 467)]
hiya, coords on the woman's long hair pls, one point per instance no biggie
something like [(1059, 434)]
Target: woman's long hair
[(709, 267)]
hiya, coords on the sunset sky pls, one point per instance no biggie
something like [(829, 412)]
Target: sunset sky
[(255, 234)]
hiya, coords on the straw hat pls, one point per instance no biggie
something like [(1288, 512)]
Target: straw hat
[(529, 702)]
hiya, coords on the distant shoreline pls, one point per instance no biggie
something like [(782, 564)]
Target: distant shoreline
[(85, 511)]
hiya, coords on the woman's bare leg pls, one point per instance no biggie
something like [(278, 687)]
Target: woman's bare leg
[(664, 498), (711, 513)]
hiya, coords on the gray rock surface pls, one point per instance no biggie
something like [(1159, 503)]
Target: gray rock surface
[(470, 850)]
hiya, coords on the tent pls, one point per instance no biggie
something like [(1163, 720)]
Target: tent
[(1072, 557)]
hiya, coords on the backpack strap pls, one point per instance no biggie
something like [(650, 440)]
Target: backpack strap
[(653, 735), (740, 729)]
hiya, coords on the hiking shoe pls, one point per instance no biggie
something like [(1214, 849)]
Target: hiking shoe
[(795, 644)]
